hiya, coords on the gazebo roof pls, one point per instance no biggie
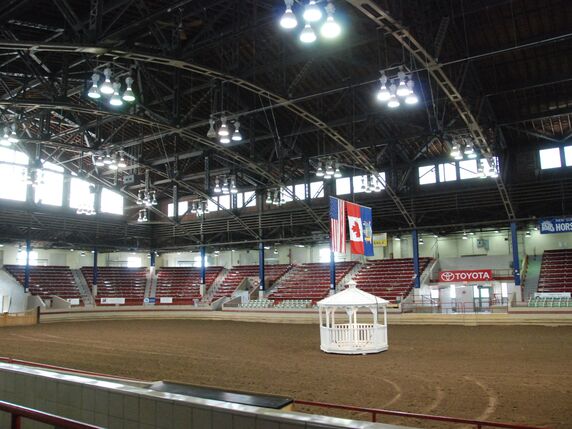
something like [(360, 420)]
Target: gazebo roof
[(352, 296)]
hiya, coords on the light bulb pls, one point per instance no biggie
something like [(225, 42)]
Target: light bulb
[(465, 236), (402, 90), (331, 29), (411, 97), (113, 166), (268, 198), (223, 130), (115, 98), (5, 140), (383, 93), (128, 94), (307, 35), (236, 136), (337, 173), (94, 92), (217, 189), (288, 20), (107, 160), (122, 163), (312, 12), (106, 87), (329, 169), (211, 133), (233, 189), (225, 140), (99, 161), (319, 171), (455, 151), (393, 102)]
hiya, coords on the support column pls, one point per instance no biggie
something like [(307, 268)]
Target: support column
[(262, 286), (152, 261), (203, 251), (332, 271), (515, 259), (415, 244), (95, 272), (27, 269)]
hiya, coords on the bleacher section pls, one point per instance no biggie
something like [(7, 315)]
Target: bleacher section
[(48, 281), (309, 282), (390, 279), (257, 303), (183, 284), (118, 282), (556, 271), (238, 273), (541, 301)]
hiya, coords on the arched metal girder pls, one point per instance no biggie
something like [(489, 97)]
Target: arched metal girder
[(385, 21), (358, 157), (245, 162)]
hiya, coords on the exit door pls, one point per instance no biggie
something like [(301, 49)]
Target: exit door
[(481, 298)]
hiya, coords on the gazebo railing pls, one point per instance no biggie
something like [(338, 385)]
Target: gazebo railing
[(354, 334)]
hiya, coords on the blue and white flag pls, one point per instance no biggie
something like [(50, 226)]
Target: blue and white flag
[(366, 220)]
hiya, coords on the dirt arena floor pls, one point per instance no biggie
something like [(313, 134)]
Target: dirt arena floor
[(513, 374)]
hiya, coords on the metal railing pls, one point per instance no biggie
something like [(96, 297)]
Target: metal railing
[(479, 424), (18, 413)]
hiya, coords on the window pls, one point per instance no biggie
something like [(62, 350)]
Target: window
[(550, 158), (568, 155), (343, 186), (484, 291), (286, 194), (447, 172), (212, 205), (182, 208), (324, 254), (504, 290), (427, 175), (81, 194), (317, 190), (21, 257), (249, 199), (133, 261), (359, 183), (112, 202), (453, 292), (224, 201), (468, 169), (434, 293), (13, 174), (300, 191), (51, 189)]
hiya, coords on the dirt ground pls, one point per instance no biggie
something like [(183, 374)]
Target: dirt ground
[(513, 374)]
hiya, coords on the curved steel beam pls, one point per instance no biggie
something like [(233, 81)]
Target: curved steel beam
[(358, 157), (385, 21)]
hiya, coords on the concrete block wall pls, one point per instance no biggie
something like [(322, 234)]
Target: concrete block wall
[(125, 405)]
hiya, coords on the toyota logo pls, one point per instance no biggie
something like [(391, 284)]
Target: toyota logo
[(447, 276)]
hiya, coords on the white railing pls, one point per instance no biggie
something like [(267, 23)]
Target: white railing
[(359, 335)]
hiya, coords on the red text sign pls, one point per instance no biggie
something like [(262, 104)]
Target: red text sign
[(466, 276)]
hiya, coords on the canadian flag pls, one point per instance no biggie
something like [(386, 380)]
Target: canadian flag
[(356, 229)]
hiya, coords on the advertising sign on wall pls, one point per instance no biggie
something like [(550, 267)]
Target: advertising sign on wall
[(112, 301), (465, 276), (380, 240), (555, 225)]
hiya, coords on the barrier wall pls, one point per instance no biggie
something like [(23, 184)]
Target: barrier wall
[(128, 404), (19, 319)]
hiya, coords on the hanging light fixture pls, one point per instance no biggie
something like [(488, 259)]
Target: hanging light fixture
[(140, 197), (331, 29), (211, 133), (277, 197), (307, 35), (421, 241), (369, 187), (397, 238), (113, 165), (493, 171), (236, 136), (223, 130), (383, 94), (224, 188), (233, 189), (411, 97), (465, 237), (337, 173), (470, 150), (153, 198), (94, 92), (99, 161), (224, 140), (377, 187), (319, 171), (363, 187), (329, 170), (106, 87), (128, 94), (393, 102), (312, 12), (456, 150), (268, 198), (5, 140), (288, 20), (107, 160), (402, 89), (115, 98), (217, 189), (121, 163)]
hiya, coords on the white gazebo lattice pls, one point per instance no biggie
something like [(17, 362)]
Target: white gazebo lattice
[(352, 337)]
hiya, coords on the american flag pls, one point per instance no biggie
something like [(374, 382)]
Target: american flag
[(337, 225)]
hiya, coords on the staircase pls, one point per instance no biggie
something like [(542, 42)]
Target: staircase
[(280, 280), (83, 288), (532, 276), (151, 285), (214, 287)]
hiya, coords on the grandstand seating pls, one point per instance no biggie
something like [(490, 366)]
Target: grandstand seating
[(309, 282), (390, 279), (48, 281), (183, 284), (238, 273), (556, 271), (118, 282), (257, 303)]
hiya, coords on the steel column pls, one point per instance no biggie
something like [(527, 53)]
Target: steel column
[(261, 266), (332, 270), (27, 269), (203, 266), (515, 259), (415, 244)]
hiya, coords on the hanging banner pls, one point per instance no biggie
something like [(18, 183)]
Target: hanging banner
[(356, 228), (380, 240), (366, 220), (465, 276), (555, 225)]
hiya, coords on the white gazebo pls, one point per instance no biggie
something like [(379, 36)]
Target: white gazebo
[(352, 337)]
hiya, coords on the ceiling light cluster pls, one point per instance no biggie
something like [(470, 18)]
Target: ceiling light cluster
[(393, 91), (487, 168), (9, 136), (369, 184), (113, 160), (275, 197), (312, 16), (328, 168), (111, 91), (227, 131), (146, 198), (225, 185), (199, 207), (142, 216), (463, 147), (34, 175)]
